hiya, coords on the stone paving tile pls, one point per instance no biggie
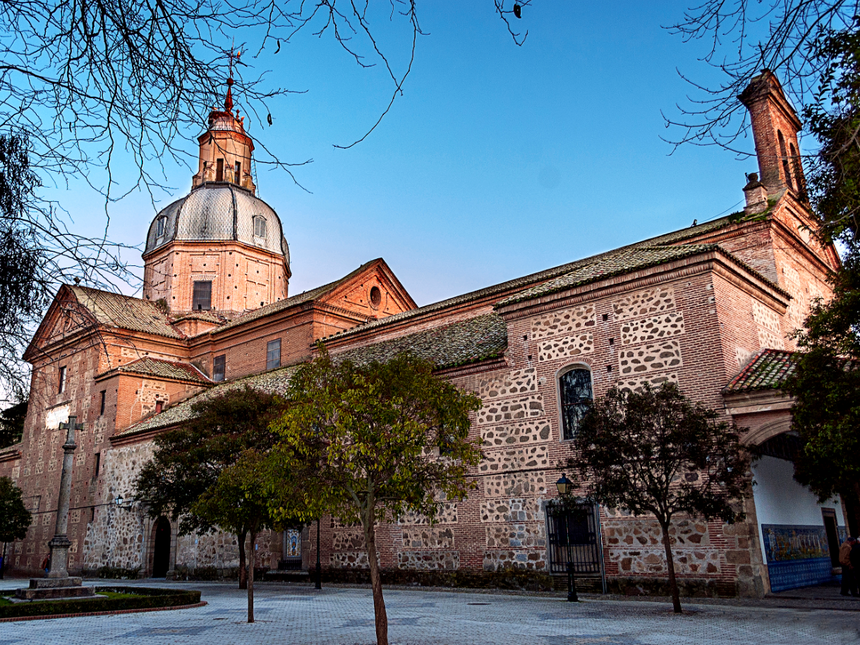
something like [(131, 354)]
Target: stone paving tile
[(344, 616)]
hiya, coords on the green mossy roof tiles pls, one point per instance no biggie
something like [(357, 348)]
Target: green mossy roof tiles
[(769, 370), (124, 312), (274, 381), (460, 343), (165, 369), (623, 261)]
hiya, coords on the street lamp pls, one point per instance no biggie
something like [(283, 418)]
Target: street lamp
[(118, 500), (318, 581), (564, 486)]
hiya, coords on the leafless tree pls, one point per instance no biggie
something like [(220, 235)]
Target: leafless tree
[(743, 37), (89, 88)]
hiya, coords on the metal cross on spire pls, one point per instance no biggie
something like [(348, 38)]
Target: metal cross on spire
[(228, 101)]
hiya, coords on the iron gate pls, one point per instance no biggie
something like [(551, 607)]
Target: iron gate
[(573, 532)]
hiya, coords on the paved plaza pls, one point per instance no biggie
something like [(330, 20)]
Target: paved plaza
[(299, 614)]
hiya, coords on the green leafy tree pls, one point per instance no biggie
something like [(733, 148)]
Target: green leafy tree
[(15, 519), (826, 382), (239, 503), (188, 461), (657, 453), (826, 390), (370, 442), (12, 423)]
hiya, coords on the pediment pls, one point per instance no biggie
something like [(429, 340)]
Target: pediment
[(373, 292), (65, 318)]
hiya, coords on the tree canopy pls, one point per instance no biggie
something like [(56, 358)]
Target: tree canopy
[(372, 441), (187, 462), (15, 519), (239, 503), (656, 453), (741, 38), (12, 423)]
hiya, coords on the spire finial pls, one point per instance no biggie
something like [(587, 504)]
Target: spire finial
[(228, 100)]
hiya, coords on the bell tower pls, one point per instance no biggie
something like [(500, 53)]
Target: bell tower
[(775, 126)]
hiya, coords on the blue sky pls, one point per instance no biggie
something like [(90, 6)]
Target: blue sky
[(496, 162)]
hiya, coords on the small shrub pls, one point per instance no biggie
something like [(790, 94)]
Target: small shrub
[(119, 598)]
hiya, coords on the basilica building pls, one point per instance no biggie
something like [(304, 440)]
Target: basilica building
[(710, 307)]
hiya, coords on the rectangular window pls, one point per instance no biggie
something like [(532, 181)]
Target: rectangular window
[(273, 354), (259, 226), (202, 296), (37, 502), (102, 404), (61, 386), (97, 465), (219, 368), (219, 170), (238, 172)]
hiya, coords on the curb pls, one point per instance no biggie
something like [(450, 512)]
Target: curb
[(202, 603)]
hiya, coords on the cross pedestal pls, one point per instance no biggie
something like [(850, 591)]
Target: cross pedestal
[(58, 583)]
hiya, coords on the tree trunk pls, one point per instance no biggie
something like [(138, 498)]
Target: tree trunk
[(670, 565), (252, 561), (379, 614), (243, 577)]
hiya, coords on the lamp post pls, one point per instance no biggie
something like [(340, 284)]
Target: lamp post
[(564, 486), (318, 582)]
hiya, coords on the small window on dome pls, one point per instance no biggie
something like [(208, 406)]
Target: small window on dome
[(259, 226), (160, 225)]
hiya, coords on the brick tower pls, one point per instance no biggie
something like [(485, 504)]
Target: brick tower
[(775, 126), (219, 248)]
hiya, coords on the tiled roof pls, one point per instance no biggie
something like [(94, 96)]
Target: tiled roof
[(691, 231), (206, 316), (611, 264), (460, 343), (769, 370), (292, 301), (11, 452), (273, 381), (165, 369), (532, 279), (124, 312)]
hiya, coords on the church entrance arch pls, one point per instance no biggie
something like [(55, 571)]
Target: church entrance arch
[(161, 548)]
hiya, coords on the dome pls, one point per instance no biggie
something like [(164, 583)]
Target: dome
[(219, 212)]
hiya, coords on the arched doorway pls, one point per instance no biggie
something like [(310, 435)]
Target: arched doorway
[(161, 548)]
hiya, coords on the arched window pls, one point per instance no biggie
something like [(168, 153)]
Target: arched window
[(259, 226), (797, 169), (576, 395), (786, 166)]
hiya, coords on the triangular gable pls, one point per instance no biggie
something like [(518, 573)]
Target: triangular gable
[(66, 316), (373, 291)]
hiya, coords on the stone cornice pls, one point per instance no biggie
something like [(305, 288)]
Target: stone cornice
[(715, 261)]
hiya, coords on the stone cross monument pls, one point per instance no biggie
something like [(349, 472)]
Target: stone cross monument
[(58, 584)]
